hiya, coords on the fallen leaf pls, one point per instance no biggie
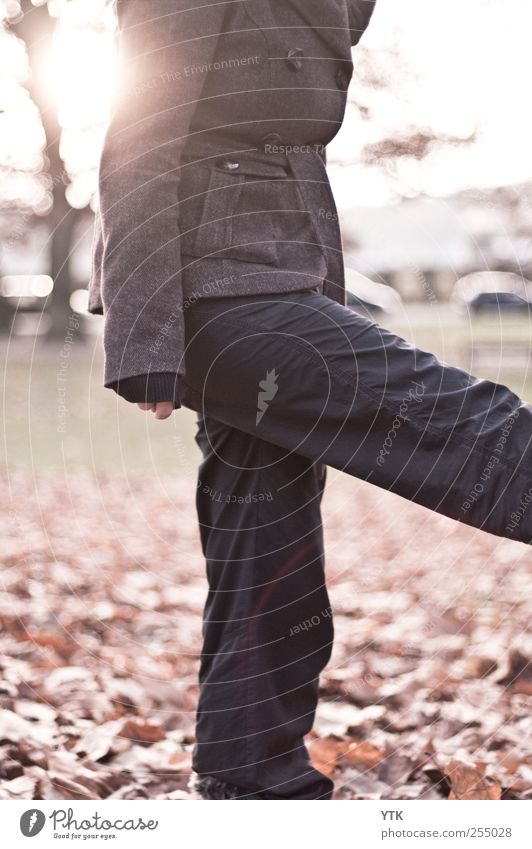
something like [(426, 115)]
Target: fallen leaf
[(469, 782), (364, 754), (143, 730)]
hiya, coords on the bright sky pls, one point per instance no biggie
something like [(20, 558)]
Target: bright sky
[(471, 62), (468, 65)]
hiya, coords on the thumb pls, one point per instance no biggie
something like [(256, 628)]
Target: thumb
[(163, 409)]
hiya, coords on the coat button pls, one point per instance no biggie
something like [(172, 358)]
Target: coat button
[(294, 58), (343, 79), (228, 164)]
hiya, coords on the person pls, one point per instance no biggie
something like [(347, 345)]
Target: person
[(218, 266)]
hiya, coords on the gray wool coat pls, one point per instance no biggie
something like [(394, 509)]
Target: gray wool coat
[(212, 178)]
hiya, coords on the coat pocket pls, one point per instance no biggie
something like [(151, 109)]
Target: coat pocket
[(227, 215)]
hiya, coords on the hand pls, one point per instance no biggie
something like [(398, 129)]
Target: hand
[(162, 409)]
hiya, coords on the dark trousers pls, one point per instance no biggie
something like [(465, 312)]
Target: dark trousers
[(285, 385)]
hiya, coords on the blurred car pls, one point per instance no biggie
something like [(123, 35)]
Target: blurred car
[(493, 291), (369, 298)]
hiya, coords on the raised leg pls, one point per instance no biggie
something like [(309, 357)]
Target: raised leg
[(351, 394)]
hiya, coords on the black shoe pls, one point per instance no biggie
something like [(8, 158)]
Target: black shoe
[(208, 787)]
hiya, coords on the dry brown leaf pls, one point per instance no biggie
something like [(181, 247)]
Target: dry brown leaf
[(363, 754), (479, 666), (517, 667), (469, 782), (326, 753), (141, 730), (16, 729), (98, 742), (19, 788)]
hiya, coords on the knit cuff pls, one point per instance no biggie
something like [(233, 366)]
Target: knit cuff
[(149, 388)]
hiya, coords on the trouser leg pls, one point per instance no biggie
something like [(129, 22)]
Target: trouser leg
[(267, 622), (342, 390)]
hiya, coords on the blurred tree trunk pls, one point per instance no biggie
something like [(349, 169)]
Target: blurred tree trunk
[(36, 28)]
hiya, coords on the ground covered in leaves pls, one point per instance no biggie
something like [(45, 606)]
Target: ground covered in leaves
[(427, 696)]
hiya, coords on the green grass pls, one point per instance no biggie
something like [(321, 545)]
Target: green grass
[(493, 348), (101, 432)]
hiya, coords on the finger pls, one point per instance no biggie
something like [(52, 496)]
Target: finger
[(146, 407), (163, 409)]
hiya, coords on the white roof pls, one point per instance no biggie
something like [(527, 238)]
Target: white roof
[(424, 233)]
